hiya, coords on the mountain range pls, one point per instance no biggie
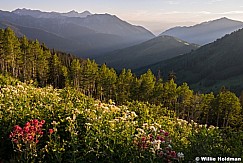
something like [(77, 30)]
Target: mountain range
[(146, 53), (83, 34), (209, 67), (205, 32)]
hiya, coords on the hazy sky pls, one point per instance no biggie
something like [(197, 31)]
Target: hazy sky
[(155, 15)]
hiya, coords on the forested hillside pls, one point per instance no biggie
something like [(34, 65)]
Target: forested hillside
[(30, 61), (146, 118), (210, 67), (146, 53)]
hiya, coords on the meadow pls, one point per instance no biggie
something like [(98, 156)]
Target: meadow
[(63, 125)]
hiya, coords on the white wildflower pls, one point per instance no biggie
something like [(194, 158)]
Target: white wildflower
[(180, 155)]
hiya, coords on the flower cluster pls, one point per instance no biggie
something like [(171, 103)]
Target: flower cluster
[(155, 140), (30, 133)]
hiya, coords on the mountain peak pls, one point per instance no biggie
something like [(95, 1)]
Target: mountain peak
[(205, 32), (87, 12), (74, 13)]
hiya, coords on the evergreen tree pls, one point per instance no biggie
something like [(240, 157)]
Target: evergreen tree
[(37, 55), (1, 50), (25, 56), (170, 94), (88, 77), (55, 72), (157, 96), (65, 75), (75, 73), (207, 107), (185, 96), (123, 85), (147, 81), (43, 67), (134, 95), (106, 83), (230, 109), (11, 52)]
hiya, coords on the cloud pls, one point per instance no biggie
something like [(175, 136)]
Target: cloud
[(214, 1), (172, 2), (233, 12), (187, 12), (204, 12)]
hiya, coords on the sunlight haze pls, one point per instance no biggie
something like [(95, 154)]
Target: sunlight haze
[(156, 15)]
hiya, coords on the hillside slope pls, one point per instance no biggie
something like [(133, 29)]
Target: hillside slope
[(149, 52), (205, 32), (89, 33), (209, 67)]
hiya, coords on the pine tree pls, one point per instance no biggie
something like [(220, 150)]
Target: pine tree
[(123, 85), (185, 96), (11, 52), (65, 74), (157, 96), (230, 109), (37, 54), (106, 83), (43, 66), (25, 56), (147, 85), (55, 72), (170, 94), (1, 50), (207, 108), (75, 73), (88, 77)]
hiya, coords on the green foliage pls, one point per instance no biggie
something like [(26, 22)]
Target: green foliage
[(91, 131), (80, 129), (209, 67)]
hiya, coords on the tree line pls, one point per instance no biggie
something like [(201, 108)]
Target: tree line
[(29, 60)]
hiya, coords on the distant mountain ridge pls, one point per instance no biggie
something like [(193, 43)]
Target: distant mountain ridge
[(41, 14), (93, 34), (101, 23), (146, 53), (205, 32), (210, 67)]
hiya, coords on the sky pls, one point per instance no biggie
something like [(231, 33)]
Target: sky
[(155, 15)]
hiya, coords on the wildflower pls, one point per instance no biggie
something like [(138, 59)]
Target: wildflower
[(180, 155), (54, 123), (173, 154), (140, 130), (133, 114), (27, 124), (162, 131), (88, 124), (143, 138), (51, 131), (166, 134), (160, 153), (157, 125), (152, 128), (145, 125), (42, 122), (35, 122), (68, 119)]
